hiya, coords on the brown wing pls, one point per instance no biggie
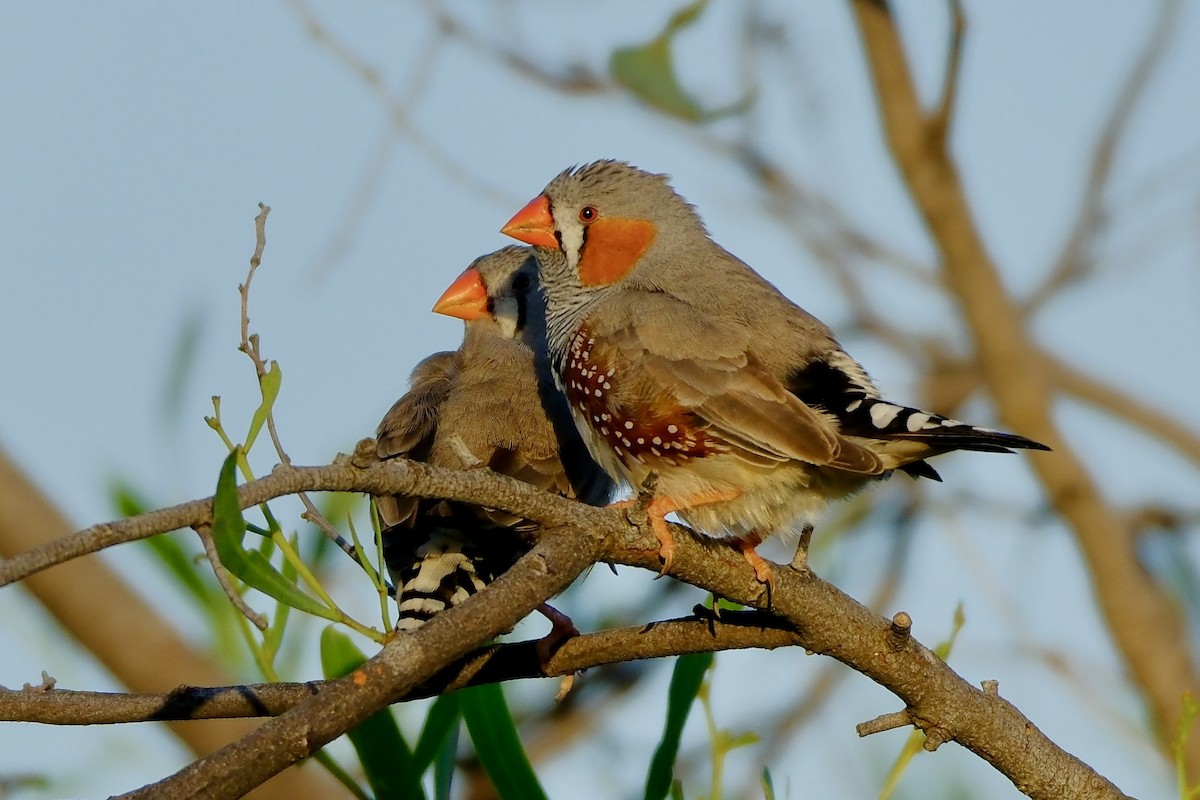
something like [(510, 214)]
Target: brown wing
[(718, 378), (410, 426)]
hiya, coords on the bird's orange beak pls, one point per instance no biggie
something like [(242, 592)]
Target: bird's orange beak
[(466, 298), (533, 224)]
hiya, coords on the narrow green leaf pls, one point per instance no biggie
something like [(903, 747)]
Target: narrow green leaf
[(167, 547), (269, 384), (182, 364), (685, 685), (440, 722), (677, 790), (250, 565), (742, 740), (384, 754), (494, 735), (443, 765), (946, 645), (768, 785), (648, 71), (1182, 733)]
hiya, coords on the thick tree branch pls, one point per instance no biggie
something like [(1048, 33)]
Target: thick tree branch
[(393, 477), (1144, 621), (825, 620), (493, 664), (406, 661)]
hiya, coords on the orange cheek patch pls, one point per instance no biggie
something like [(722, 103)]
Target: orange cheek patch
[(612, 247)]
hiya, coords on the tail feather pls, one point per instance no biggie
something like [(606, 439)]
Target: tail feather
[(438, 568)]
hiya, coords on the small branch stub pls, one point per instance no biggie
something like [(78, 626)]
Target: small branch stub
[(885, 722), (936, 737), (900, 633)]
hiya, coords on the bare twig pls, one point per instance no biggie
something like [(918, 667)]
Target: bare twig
[(204, 531), (884, 722), (1122, 405), (251, 345), (490, 665), (944, 116), (1075, 261), (396, 476)]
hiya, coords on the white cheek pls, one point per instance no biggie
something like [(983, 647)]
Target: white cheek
[(572, 243), (505, 313)]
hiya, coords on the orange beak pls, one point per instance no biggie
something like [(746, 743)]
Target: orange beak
[(533, 224), (466, 298)]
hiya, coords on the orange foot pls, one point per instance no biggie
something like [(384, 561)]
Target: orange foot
[(657, 510), (762, 568)]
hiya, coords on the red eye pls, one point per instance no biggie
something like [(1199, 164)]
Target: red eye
[(588, 213)]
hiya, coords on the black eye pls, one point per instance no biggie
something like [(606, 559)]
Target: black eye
[(588, 213), (520, 283)]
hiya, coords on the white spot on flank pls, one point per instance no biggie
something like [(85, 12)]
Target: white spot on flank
[(595, 417), (640, 440), (628, 425), (655, 450), (611, 371), (672, 429), (656, 440), (883, 414)]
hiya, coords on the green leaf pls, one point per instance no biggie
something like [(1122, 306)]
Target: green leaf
[(685, 685), (768, 785), (250, 565), (441, 722), (384, 754), (182, 364), (497, 744), (443, 766), (1191, 710), (648, 71), (269, 384), (946, 645), (167, 547), (742, 740)]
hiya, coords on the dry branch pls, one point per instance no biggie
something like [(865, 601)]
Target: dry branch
[(493, 664), (822, 619)]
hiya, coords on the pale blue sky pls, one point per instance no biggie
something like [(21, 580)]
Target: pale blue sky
[(139, 137)]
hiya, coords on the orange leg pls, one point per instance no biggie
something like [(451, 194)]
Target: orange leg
[(762, 568), (658, 508)]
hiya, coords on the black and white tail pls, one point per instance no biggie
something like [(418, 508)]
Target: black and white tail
[(436, 568), (904, 436)]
